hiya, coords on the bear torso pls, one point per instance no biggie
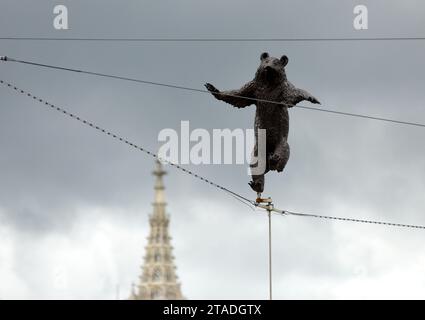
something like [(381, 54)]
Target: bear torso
[(273, 117)]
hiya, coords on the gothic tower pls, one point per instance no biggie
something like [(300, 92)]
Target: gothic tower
[(158, 280)]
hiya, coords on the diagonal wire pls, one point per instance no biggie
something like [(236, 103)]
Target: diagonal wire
[(232, 193), (121, 139), (342, 113), (309, 215)]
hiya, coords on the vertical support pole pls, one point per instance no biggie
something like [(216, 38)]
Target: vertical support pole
[(270, 255), (269, 207)]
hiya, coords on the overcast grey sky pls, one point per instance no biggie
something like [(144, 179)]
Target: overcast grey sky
[(74, 204)]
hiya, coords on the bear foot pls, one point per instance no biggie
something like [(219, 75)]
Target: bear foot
[(274, 161), (257, 186), (281, 165)]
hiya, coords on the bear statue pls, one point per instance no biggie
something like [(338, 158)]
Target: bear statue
[(273, 94)]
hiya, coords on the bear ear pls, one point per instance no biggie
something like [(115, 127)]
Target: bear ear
[(284, 59), (264, 55)]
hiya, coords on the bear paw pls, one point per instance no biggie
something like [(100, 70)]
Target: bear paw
[(211, 88), (257, 186), (274, 161), (314, 100), (280, 165)]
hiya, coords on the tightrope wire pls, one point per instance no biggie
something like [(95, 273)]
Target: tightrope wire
[(308, 215)]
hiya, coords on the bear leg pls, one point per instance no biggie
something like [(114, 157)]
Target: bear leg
[(259, 167), (280, 156), (283, 159)]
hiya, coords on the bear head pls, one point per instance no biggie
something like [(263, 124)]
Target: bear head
[(271, 70)]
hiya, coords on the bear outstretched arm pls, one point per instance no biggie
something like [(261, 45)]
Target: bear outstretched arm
[(238, 98), (299, 95)]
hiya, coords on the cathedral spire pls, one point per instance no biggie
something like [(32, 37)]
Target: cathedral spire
[(159, 184), (158, 279)]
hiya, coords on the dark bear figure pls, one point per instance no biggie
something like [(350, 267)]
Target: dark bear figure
[(269, 84)]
